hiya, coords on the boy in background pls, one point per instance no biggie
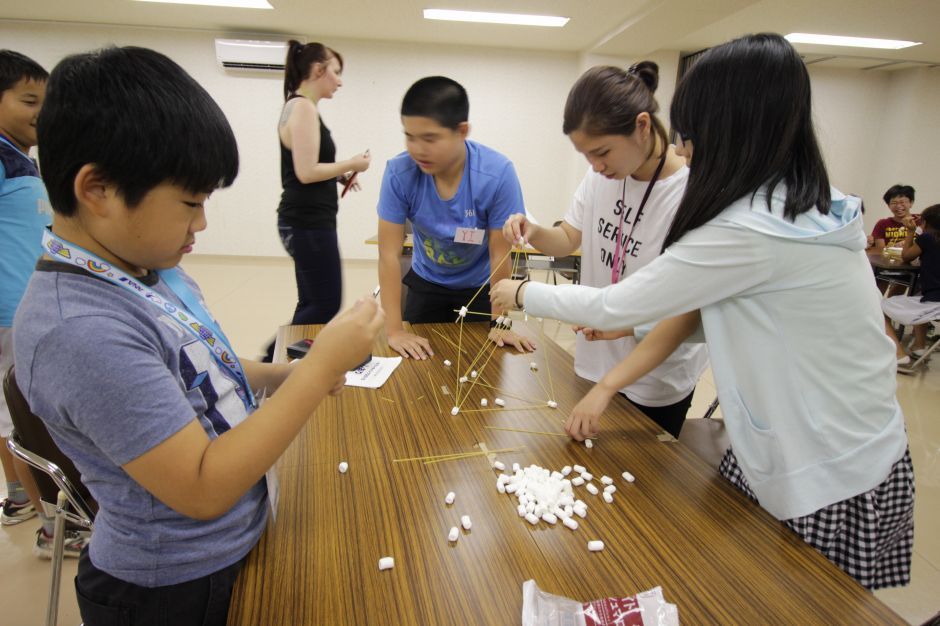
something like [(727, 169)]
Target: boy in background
[(457, 194), (24, 212), (890, 231)]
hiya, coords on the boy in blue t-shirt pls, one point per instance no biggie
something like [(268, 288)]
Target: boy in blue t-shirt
[(130, 373), (917, 311), (457, 194), (24, 211)]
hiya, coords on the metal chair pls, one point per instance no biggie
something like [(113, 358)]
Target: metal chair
[(922, 359), (56, 477), (568, 267)]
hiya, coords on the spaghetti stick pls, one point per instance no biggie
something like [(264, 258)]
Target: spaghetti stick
[(506, 393), (459, 351), (531, 432), (434, 392), (499, 334), (507, 408), (448, 340), (548, 366), (492, 271), (441, 456), (469, 312), (482, 367)]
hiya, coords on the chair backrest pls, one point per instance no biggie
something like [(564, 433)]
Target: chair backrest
[(30, 433)]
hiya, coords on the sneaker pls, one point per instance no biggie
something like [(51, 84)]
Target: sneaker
[(14, 513), (919, 352), (904, 360), (74, 542)]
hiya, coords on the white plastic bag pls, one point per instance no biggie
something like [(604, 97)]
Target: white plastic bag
[(647, 608)]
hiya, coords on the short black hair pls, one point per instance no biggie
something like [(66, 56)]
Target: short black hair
[(899, 190), (746, 105), (140, 118), (442, 99), (931, 216), (14, 67)]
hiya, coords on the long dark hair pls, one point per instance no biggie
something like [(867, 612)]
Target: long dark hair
[(747, 109), (605, 100), (300, 59)]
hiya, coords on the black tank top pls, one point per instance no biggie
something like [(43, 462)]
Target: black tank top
[(312, 205)]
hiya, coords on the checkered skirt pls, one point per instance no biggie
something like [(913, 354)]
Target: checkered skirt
[(869, 536)]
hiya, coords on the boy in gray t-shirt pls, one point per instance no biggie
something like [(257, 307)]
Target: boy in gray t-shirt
[(117, 354)]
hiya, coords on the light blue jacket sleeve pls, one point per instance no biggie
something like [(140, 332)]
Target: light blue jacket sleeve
[(707, 265)]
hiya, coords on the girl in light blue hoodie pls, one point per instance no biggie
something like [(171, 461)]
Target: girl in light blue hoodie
[(774, 259)]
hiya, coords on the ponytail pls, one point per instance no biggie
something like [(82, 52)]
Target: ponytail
[(300, 60), (606, 101)]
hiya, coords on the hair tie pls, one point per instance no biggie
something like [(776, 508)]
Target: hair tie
[(632, 70)]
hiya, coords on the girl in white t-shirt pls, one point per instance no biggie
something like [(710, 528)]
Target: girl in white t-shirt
[(625, 203)]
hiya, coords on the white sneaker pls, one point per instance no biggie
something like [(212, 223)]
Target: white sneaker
[(74, 542), (919, 352), (904, 360)]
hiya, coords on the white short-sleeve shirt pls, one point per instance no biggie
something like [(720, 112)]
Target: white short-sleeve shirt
[(595, 211)]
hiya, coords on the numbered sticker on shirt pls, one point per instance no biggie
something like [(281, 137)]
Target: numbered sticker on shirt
[(470, 235)]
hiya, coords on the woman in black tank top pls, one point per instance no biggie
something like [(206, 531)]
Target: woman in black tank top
[(309, 176)]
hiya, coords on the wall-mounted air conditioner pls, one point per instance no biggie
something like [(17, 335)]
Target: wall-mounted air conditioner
[(243, 54)]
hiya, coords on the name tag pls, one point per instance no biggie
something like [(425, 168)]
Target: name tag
[(470, 235)]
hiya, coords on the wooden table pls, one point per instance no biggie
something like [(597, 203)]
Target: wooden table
[(717, 555), (881, 262), (893, 269)]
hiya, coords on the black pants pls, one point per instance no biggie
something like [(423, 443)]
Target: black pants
[(104, 600), (429, 303), (317, 270), (670, 417)]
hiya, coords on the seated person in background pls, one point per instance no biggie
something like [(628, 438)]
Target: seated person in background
[(918, 311), (890, 231), (118, 356), (457, 194)]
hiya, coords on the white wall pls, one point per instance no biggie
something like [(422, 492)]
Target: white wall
[(847, 104), (908, 136), (516, 103), (876, 128)]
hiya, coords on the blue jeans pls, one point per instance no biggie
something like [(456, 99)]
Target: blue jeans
[(317, 270)]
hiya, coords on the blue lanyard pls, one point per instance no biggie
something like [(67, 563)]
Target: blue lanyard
[(20, 152), (208, 333)]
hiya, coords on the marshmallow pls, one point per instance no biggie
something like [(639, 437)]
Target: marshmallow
[(453, 534), (595, 546), (465, 522), (343, 467), (386, 562), (449, 498), (627, 476)]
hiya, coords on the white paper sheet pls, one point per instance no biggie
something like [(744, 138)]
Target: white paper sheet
[(374, 373)]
